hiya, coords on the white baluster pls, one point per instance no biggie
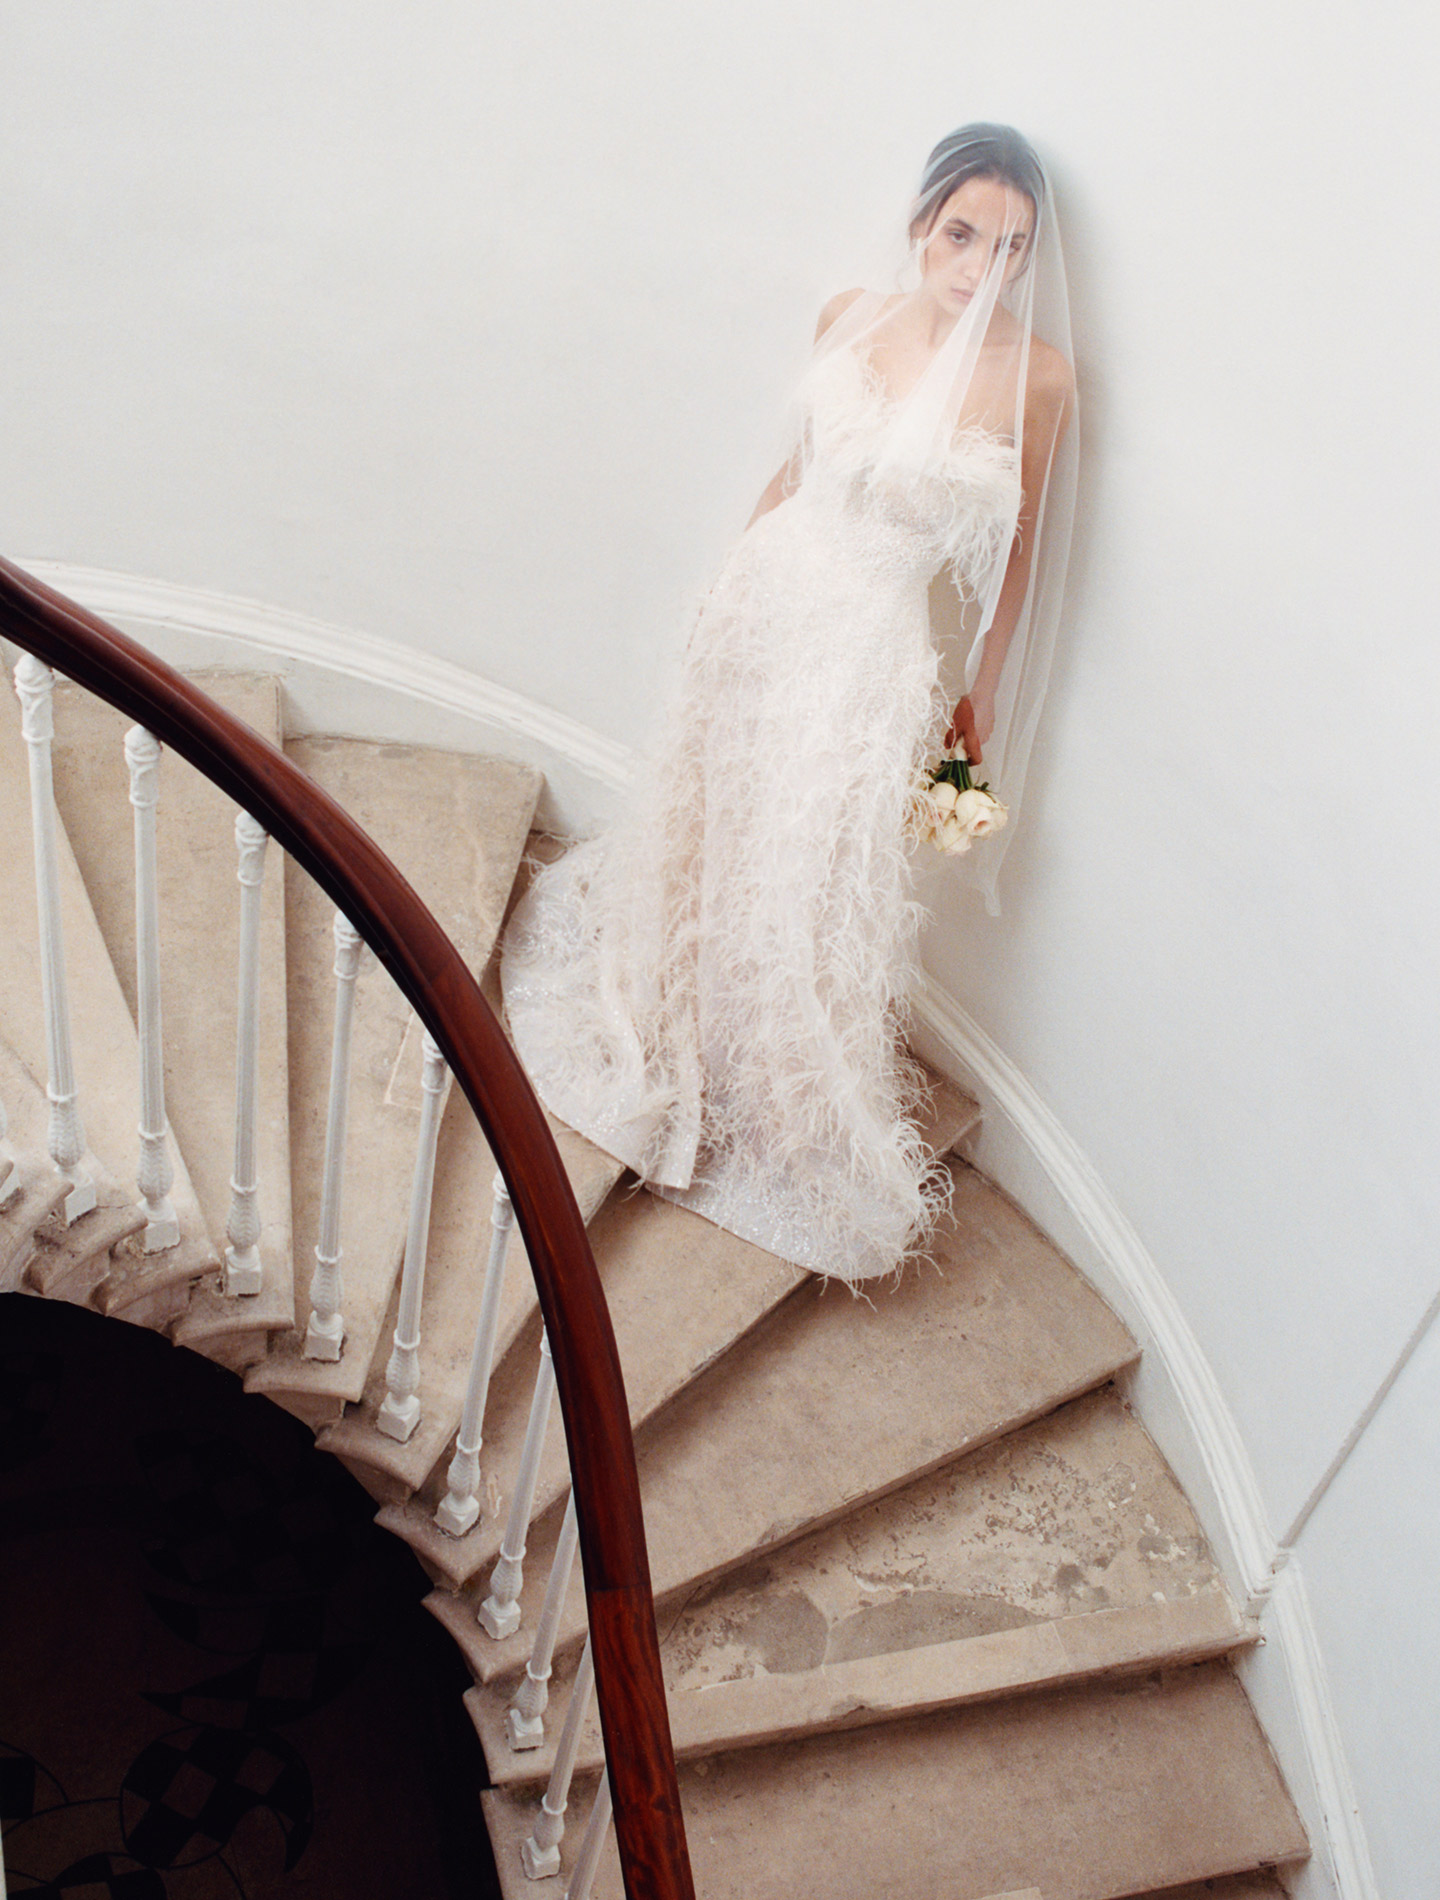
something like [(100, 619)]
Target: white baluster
[(525, 1718), (540, 1853), (460, 1506), (325, 1333), (592, 1843), (9, 1174), (399, 1412), (243, 1272), (499, 1614), (35, 684), (155, 1175)]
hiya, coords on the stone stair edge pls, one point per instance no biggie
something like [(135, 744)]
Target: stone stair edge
[(762, 1711), (417, 1464), (106, 1053), (402, 809), (457, 1561), (74, 1263), (1028, 1791), (214, 1319), (490, 1660)]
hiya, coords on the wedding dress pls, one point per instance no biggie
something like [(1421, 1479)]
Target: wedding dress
[(714, 990)]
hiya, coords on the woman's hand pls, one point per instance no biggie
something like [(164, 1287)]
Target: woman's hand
[(973, 723)]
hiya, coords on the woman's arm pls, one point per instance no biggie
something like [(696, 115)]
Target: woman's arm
[(1047, 411)]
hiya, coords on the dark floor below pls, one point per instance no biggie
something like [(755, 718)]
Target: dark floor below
[(216, 1676)]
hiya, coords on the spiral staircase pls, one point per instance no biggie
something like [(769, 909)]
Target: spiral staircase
[(936, 1620)]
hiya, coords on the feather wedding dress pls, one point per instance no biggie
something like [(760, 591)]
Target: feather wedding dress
[(714, 990)]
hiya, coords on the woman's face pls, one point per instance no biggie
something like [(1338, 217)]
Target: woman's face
[(983, 222)]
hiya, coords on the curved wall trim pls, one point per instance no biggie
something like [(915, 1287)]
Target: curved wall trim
[(1115, 1257), (337, 680), (1025, 1148), (1286, 1681)]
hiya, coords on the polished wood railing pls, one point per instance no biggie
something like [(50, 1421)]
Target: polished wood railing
[(363, 884)]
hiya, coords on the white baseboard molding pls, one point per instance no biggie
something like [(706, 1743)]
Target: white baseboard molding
[(1285, 1680), (337, 680), (1025, 1150)]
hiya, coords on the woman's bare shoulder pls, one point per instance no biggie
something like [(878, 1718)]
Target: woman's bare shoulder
[(835, 309), (1050, 377)]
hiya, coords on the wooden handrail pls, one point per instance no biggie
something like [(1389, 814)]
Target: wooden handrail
[(362, 882)]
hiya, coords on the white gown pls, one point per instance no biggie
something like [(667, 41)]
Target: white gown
[(713, 990)]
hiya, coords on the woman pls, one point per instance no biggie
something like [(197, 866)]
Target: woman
[(712, 991)]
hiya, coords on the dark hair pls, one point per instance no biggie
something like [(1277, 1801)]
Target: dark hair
[(977, 151)]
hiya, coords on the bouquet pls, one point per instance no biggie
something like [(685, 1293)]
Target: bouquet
[(949, 810)]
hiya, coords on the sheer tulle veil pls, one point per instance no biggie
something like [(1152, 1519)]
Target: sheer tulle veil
[(1005, 369), (714, 990)]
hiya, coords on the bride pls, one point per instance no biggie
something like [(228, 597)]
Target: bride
[(714, 990)]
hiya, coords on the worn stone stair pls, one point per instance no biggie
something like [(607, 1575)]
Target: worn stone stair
[(834, 1401), (935, 1618), (460, 1240), (1063, 1552), (199, 902), (1096, 1793), (1236, 1887), (99, 1255), (681, 1294), (456, 827)]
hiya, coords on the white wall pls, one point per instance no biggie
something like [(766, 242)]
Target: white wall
[(469, 327)]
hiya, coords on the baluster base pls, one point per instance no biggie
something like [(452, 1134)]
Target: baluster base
[(162, 1229), (82, 1197), (325, 1338), (498, 1619), (541, 1863), (524, 1731), (243, 1276), (398, 1418), (455, 1515)]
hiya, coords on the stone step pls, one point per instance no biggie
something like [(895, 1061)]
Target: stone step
[(454, 1279), (1087, 1794), (455, 827), (37, 1186), (892, 1685), (681, 1293), (61, 1262), (106, 1057), (1256, 1886), (833, 1401), (460, 1231), (1062, 1553), (199, 930)]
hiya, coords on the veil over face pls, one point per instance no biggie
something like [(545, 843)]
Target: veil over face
[(964, 331), (714, 990)]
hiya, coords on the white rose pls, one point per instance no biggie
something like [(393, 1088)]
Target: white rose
[(923, 816), (979, 812), (952, 837), (943, 796)]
